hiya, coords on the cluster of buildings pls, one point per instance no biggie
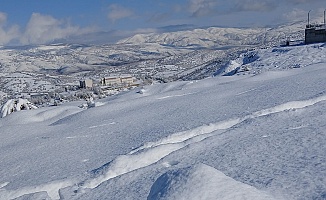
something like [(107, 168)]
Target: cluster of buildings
[(115, 82), (118, 81)]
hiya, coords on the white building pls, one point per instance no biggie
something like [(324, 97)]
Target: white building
[(127, 80), (118, 81), (111, 81)]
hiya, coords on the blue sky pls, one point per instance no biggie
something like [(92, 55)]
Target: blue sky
[(44, 21)]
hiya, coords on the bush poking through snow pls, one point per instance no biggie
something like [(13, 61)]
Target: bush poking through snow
[(141, 91), (14, 105), (89, 103)]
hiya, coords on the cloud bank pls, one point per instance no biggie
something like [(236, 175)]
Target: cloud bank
[(45, 28), (40, 29), (7, 34)]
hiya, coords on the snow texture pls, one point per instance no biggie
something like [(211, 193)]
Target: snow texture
[(250, 136)]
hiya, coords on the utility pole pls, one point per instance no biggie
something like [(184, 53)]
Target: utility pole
[(325, 18), (309, 19)]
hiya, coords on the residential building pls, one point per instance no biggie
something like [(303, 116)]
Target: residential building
[(118, 81), (111, 81), (127, 80)]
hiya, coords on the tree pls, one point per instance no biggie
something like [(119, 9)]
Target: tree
[(14, 105)]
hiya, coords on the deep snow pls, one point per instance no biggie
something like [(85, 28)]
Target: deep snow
[(253, 136)]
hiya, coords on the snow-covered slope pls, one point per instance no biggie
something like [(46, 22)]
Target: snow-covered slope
[(275, 59), (258, 136)]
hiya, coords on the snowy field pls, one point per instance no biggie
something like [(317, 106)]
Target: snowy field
[(252, 136)]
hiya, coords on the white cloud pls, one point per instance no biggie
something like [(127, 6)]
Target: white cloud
[(39, 30), (3, 18), (44, 28), (117, 12), (200, 8), (7, 34)]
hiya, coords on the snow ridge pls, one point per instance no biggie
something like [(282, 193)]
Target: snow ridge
[(207, 129), (192, 183)]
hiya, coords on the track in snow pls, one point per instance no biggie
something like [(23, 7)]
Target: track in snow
[(152, 152)]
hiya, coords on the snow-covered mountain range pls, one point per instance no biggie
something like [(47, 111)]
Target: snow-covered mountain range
[(217, 37)]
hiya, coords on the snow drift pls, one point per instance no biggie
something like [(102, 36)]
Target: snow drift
[(202, 182)]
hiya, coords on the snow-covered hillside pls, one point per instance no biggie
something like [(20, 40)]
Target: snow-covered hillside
[(210, 37), (246, 136), (274, 59)]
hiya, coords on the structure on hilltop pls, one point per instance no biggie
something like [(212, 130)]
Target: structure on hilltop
[(315, 33)]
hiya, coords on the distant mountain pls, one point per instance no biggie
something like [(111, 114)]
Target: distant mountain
[(70, 58), (217, 36)]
